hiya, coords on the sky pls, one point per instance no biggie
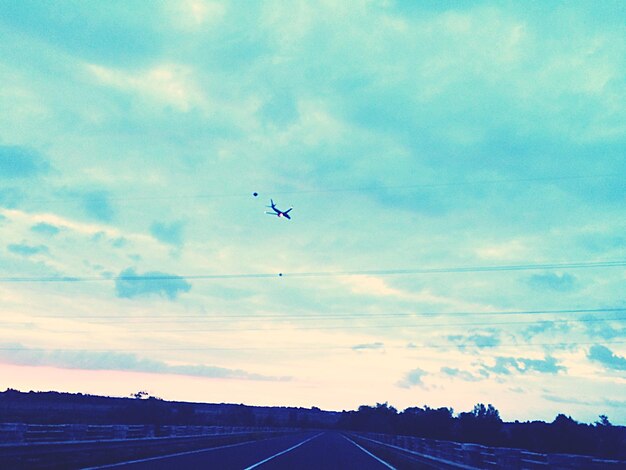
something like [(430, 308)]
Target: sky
[(457, 177)]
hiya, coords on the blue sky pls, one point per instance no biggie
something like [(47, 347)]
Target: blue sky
[(409, 137)]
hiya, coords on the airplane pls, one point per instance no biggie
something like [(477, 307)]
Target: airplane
[(277, 212)]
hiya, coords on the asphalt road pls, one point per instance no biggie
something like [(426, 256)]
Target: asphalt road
[(318, 450)]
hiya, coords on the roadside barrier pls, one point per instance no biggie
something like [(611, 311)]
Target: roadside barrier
[(73, 446), (430, 453)]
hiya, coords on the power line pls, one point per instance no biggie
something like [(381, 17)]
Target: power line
[(494, 181), (351, 327), (381, 272), (328, 316), (355, 348), (451, 184)]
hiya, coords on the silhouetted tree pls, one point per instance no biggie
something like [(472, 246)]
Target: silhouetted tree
[(379, 418), (604, 421), (611, 441), (427, 422), (568, 436), (481, 425)]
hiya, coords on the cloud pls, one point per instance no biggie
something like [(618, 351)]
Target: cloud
[(370, 285), (171, 233), (509, 365), (545, 327), (621, 404), (413, 378), (10, 197), (280, 109), (564, 282), (27, 250), (45, 229), (485, 340), (119, 242), (606, 357), (20, 162), (461, 374), (366, 346), (510, 249), (98, 236), (577, 401), (603, 329), (195, 14), (129, 284), (108, 360), (98, 206), (548, 365), (170, 84), (568, 400), (111, 34), (599, 242)]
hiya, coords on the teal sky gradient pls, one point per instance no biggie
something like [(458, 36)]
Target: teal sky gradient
[(407, 136)]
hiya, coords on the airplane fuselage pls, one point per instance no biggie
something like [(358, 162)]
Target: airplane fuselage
[(278, 212)]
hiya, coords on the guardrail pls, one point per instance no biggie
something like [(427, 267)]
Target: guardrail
[(37, 433), (71, 446), (407, 450)]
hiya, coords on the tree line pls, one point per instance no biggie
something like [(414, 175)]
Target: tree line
[(483, 425)]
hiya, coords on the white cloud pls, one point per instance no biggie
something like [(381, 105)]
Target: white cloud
[(193, 15), (504, 251), (169, 84), (370, 285), (423, 298)]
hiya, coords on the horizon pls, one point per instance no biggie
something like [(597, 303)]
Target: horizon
[(146, 396), (457, 177)]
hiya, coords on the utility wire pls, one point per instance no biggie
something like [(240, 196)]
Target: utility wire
[(127, 197), (451, 184), (326, 316), (381, 272), (274, 347), (346, 327)]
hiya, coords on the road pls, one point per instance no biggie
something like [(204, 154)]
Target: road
[(314, 450)]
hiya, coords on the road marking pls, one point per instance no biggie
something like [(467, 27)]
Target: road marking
[(447, 463), (281, 453), (159, 457), (370, 454)]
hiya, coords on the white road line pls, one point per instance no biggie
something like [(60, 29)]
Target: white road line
[(149, 459), (281, 453), (447, 463), (370, 454)]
